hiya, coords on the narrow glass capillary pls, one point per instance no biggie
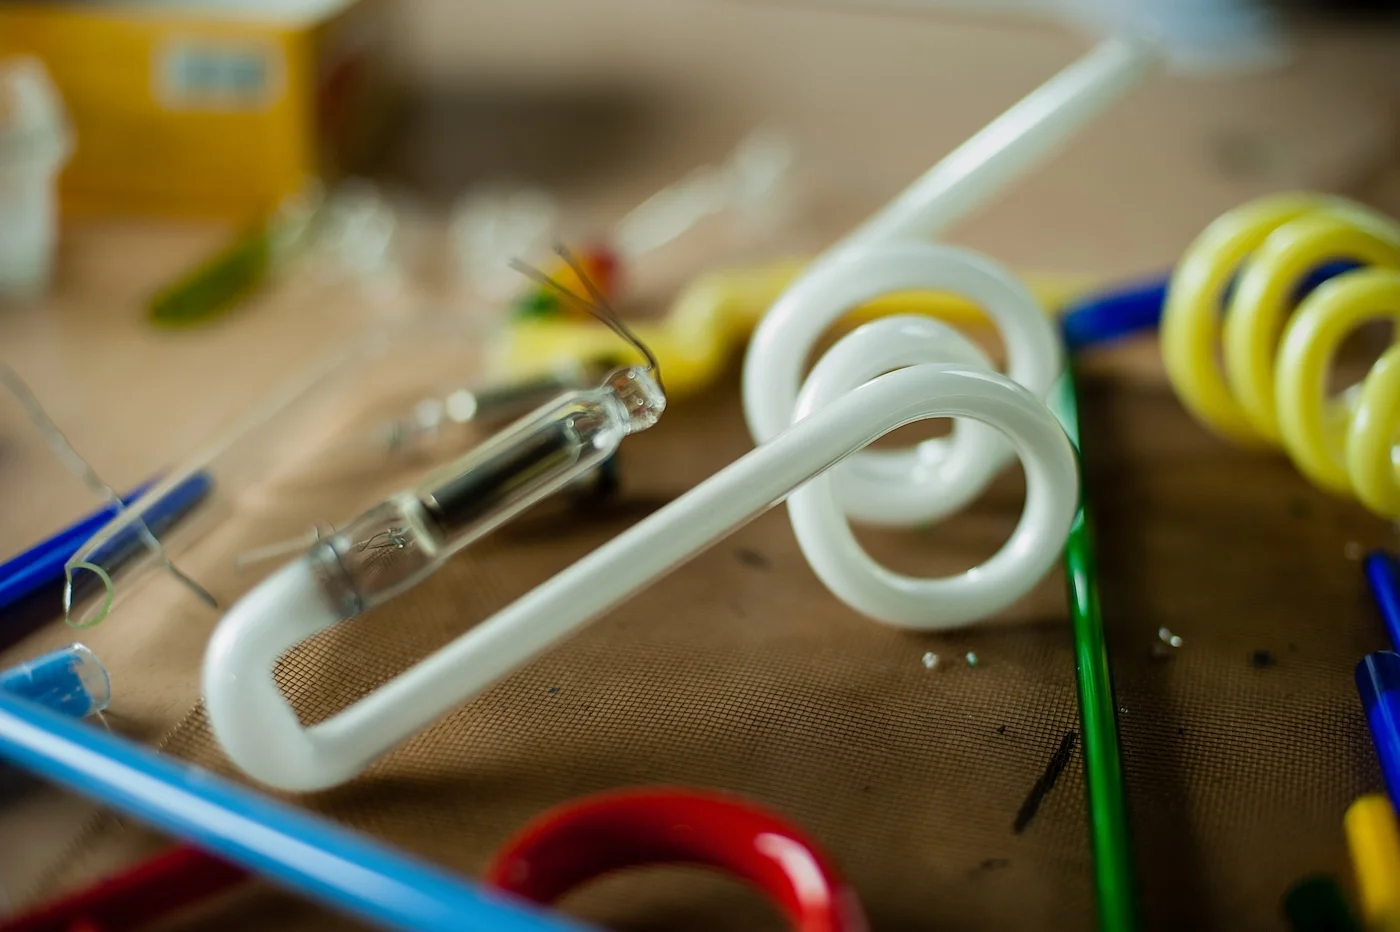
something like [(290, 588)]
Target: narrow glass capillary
[(490, 405), (281, 548), (403, 540)]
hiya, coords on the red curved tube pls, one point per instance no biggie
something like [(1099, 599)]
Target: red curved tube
[(558, 852), (580, 841), (149, 891)]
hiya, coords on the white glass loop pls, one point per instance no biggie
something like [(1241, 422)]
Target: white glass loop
[(937, 477)]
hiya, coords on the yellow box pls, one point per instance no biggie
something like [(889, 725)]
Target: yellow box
[(215, 109)]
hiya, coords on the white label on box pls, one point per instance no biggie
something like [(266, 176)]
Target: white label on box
[(218, 74)]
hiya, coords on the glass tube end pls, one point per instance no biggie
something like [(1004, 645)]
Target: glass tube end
[(70, 680), (640, 394), (92, 676)]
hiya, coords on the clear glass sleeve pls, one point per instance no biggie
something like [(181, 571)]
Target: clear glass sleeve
[(398, 543)]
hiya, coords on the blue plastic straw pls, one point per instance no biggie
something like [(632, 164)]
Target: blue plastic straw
[(1383, 572), (70, 680), (314, 858), (1378, 682)]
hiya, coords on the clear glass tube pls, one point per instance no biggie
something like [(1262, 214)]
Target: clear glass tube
[(398, 543), (491, 405)]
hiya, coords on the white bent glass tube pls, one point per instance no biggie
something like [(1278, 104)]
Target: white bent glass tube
[(262, 734), (811, 435), (847, 402)]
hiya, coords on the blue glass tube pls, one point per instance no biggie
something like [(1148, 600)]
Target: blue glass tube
[(1378, 682), (340, 868), (1383, 573)]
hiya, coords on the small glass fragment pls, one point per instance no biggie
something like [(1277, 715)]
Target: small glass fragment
[(971, 659), (931, 661), (1166, 644)]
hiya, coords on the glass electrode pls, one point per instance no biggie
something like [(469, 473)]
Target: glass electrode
[(398, 543)]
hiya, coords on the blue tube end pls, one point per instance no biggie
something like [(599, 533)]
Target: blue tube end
[(1383, 573), (1376, 675), (1378, 682), (70, 680)]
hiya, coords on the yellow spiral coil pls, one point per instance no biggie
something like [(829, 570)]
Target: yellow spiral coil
[(1257, 375)]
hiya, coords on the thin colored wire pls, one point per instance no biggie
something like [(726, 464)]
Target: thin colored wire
[(613, 319), (1110, 838), (600, 309)]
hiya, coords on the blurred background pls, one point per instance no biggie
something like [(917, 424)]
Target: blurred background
[(199, 201), (190, 123)]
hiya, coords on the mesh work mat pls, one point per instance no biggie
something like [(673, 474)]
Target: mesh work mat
[(1242, 751), (740, 672)]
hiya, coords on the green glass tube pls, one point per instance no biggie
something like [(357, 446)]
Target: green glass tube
[(1115, 884), (240, 269), (224, 280)]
